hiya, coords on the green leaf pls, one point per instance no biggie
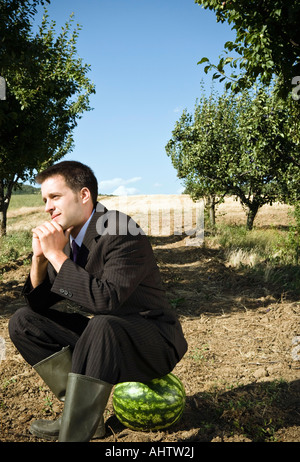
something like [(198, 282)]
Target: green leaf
[(203, 60)]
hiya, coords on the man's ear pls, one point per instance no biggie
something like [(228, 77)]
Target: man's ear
[(85, 195)]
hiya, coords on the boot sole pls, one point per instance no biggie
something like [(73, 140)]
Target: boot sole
[(43, 435), (48, 437)]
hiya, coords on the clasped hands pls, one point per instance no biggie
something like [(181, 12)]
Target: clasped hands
[(48, 242)]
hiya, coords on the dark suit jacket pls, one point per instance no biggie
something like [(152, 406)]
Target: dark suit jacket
[(115, 273)]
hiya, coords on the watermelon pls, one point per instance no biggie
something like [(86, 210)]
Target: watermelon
[(153, 405)]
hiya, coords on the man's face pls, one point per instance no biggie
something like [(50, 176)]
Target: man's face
[(62, 203)]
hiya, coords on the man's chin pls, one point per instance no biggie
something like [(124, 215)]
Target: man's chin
[(60, 223)]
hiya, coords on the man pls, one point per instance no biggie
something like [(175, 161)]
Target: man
[(129, 333)]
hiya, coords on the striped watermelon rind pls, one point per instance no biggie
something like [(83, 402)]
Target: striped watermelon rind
[(153, 405)]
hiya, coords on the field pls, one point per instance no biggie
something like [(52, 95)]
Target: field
[(237, 296)]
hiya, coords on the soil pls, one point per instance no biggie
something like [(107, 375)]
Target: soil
[(241, 371)]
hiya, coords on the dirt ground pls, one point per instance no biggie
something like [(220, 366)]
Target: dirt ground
[(241, 372)]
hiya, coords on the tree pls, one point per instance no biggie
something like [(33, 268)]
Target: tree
[(269, 154), (203, 148), (239, 146), (267, 42), (47, 92)]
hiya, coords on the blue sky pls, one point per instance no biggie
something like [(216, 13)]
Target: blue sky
[(143, 57)]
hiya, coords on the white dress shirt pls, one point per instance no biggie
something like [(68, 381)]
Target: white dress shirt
[(80, 236)]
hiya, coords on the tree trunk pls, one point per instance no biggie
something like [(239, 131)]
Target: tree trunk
[(3, 217), (252, 211), (211, 202), (5, 196)]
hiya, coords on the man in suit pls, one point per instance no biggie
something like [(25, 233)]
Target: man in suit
[(103, 262)]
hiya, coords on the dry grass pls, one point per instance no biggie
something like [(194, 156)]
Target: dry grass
[(276, 215)]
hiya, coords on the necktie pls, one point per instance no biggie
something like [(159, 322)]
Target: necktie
[(75, 250)]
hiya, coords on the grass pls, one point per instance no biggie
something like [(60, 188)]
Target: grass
[(248, 248), (268, 254), (25, 200), (14, 246), (243, 248), (17, 243)]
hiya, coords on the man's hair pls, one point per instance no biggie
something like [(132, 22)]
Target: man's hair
[(76, 175)]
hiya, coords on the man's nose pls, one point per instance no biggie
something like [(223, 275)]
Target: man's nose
[(48, 206)]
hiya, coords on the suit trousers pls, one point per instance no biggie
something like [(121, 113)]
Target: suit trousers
[(107, 347)]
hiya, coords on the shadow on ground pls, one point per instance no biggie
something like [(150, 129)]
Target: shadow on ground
[(198, 279)]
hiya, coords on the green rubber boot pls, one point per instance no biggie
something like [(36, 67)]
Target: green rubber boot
[(54, 370), (85, 401)]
